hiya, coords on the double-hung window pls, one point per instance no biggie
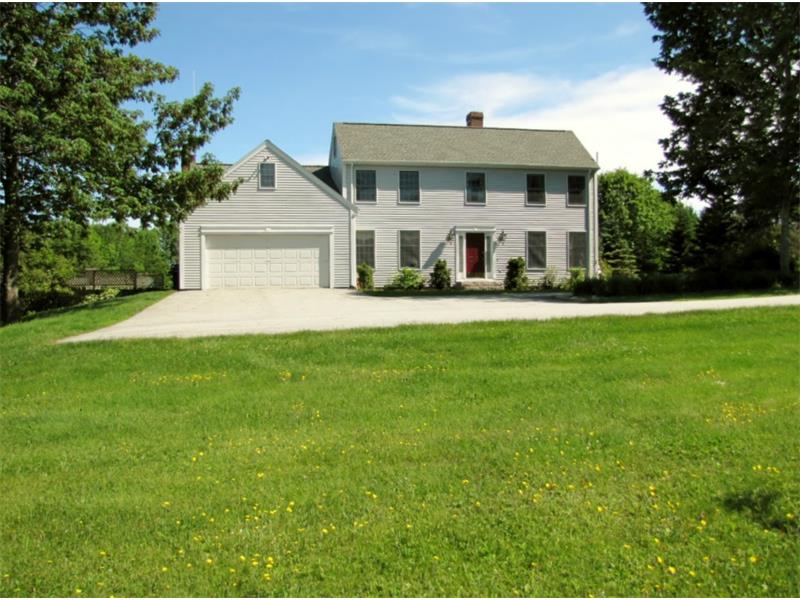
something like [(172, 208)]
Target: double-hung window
[(365, 248), (476, 188), (535, 194), (577, 249), (537, 250), (576, 185), (409, 249), (266, 176), (409, 187), (365, 186)]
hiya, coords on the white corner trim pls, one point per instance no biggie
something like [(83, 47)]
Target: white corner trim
[(181, 252)]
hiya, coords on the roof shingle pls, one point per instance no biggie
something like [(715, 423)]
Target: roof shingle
[(479, 146)]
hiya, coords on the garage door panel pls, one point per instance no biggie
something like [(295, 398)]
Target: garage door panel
[(268, 260)]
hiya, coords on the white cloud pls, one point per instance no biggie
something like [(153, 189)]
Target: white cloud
[(616, 114), (625, 30), (312, 159)]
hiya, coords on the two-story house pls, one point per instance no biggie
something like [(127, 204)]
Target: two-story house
[(398, 196)]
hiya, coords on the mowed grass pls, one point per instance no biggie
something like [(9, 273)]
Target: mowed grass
[(653, 455)]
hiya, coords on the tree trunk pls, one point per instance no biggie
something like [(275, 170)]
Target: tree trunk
[(11, 310), (785, 218)]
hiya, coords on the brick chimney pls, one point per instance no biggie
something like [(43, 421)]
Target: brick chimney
[(475, 119)]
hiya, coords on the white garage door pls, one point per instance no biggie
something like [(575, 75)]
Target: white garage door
[(259, 260)]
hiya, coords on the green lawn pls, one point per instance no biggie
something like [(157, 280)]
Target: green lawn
[(651, 455)]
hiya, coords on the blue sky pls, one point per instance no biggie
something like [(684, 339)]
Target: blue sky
[(303, 66)]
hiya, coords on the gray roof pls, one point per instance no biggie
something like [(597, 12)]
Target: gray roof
[(323, 173), (480, 146)]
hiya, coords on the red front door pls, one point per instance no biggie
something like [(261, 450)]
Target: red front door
[(476, 249)]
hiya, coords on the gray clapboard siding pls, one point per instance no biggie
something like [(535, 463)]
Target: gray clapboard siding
[(295, 201), (442, 207)]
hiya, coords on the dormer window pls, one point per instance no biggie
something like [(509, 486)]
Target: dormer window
[(266, 176)]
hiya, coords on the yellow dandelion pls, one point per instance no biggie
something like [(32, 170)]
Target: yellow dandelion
[(753, 559), (164, 569), (659, 560), (209, 561), (672, 570)]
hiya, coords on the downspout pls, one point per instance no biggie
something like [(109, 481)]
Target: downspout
[(353, 225), (596, 217)]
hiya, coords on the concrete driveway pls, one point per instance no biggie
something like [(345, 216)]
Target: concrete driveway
[(236, 312)]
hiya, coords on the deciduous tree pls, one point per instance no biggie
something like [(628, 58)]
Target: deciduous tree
[(72, 143), (635, 222), (736, 136)]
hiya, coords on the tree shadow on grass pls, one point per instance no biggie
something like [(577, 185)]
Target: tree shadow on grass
[(762, 506)]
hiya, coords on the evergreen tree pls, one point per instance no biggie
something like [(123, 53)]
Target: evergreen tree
[(719, 233), (682, 240)]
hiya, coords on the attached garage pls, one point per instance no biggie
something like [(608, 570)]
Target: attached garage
[(285, 226), (266, 260)]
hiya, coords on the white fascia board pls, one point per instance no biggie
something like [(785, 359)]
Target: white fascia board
[(300, 169)]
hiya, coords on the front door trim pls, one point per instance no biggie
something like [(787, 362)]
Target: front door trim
[(475, 244), (460, 232)]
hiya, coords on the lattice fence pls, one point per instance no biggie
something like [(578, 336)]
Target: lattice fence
[(95, 279)]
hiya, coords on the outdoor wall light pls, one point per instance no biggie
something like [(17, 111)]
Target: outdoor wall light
[(502, 236), (451, 234)]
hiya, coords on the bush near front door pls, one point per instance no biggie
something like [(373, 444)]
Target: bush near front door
[(516, 280)]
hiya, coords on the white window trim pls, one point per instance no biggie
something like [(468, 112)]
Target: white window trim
[(274, 176), (546, 253), (419, 188), (374, 247), (585, 191), (485, 189), (539, 204), (355, 187), (586, 249), (400, 248)]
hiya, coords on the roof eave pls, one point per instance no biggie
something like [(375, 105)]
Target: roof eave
[(379, 163)]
